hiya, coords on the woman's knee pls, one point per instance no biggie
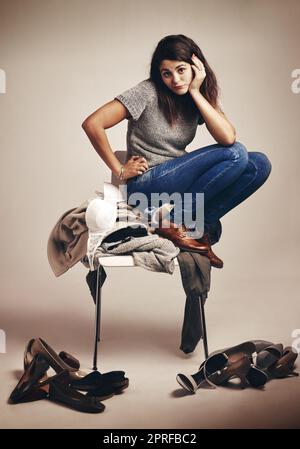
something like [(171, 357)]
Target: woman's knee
[(239, 154), (262, 163), (239, 150)]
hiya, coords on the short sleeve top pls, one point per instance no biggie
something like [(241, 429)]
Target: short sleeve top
[(148, 133)]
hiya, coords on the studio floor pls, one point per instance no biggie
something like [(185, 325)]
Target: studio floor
[(141, 335)]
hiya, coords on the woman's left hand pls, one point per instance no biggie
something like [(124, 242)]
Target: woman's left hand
[(199, 74)]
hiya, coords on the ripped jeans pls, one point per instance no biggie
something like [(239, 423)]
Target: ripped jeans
[(226, 175)]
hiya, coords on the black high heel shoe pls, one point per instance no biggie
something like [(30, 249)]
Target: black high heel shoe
[(32, 374), (256, 377)]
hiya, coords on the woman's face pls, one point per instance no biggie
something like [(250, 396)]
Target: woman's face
[(177, 75)]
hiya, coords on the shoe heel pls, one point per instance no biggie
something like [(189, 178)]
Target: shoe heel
[(243, 382)]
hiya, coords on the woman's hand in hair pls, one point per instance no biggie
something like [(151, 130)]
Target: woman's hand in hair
[(198, 70), (135, 166)]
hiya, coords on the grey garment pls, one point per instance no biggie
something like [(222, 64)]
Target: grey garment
[(195, 272), (149, 134), (150, 252)]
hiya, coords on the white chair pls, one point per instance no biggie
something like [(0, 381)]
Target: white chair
[(126, 261)]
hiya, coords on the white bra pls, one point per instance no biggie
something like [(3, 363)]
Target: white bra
[(100, 215)]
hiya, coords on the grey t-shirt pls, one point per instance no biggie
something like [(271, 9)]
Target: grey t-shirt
[(149, 134)]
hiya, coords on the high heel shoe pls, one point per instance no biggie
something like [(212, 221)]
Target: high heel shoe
[(269, 356), (284, 367), (237, 369), (66, 362), (222, 365), (216, 370), (236, 352), (38, 346), (211, 365), (55, 388), (255, 376), (32, 374)]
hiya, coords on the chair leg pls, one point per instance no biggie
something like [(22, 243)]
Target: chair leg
[(204, 335), (99, 290), (97, 317)]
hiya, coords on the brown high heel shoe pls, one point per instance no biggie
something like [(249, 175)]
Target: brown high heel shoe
[(37, 346), (238, 369), (285, 365), (216, 370)]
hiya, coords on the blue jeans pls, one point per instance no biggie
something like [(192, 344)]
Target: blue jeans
[(227, 175)]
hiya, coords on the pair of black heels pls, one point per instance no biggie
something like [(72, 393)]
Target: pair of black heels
[(64, 385), (237, 362)]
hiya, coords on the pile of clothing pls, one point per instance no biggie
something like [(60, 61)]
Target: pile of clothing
[(87, 232), (69, 385)]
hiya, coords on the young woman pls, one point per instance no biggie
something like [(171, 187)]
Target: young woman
[(163, 114)]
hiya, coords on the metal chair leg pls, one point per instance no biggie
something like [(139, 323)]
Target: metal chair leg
[(97, 317), (99, 290), (204, 334)]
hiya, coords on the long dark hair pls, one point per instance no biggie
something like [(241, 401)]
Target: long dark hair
[(179, 47)]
